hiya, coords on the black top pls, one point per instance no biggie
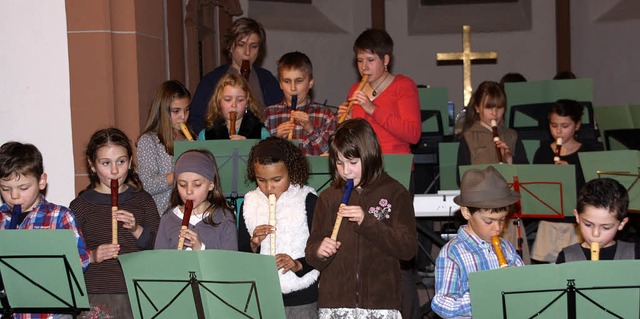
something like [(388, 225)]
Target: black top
[(606, 253), (269, 86), (250, 127), (545, 155)]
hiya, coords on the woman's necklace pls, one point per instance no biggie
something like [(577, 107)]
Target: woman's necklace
[(374, 92)]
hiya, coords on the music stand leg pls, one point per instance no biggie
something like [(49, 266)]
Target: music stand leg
[(571, 299), (197, 298), (518, 223), (427, 254), (6, 307)]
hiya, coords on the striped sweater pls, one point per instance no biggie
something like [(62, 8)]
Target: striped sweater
[(93, 212)]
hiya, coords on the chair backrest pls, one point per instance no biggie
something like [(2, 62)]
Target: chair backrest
[(621, 139), (616, 118), (435, 99), (531, 123), (426, 150), (534, 115), (545, 91), (434, 114)]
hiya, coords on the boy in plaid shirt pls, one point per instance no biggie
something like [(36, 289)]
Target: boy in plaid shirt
[(485, 201), (22, 178), (310, 122)]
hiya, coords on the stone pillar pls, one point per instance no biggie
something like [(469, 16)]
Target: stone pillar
[(116, 62)]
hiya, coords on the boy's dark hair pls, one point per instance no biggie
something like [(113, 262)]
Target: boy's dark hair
[(274, 150), (570, 108), (604, 193), (376, 41), (105, 137), (215, 196), (356, 139), (18, 159), (297, 61)]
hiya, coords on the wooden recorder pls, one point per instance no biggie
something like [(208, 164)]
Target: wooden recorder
[(185, 131), (348, 187), (363, 82), (232, 123), (595, 251), (495, 242), (272, 223), (114, 207), (188, 207), (496, 138), (556, 156)]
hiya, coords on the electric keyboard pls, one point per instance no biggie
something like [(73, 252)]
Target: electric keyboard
[(435, 205)]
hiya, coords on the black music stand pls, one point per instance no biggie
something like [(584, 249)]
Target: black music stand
[(40, 273), (191, 292), (627, 137)]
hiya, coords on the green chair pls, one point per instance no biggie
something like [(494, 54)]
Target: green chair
[(618, 125)]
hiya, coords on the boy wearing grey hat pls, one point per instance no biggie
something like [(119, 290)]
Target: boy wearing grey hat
[(485, 201)]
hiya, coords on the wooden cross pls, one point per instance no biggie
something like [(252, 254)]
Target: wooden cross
[(466, 56)]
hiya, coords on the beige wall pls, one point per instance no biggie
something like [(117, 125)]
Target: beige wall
[(598, 50), (34, 86), (605, 44)]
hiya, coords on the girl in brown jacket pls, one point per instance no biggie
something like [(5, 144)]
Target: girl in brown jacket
[(360, 270)]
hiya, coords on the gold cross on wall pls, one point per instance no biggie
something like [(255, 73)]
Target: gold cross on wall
[(466, 56)]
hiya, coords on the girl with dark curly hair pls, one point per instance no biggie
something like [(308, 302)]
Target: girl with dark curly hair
[(279, 168)]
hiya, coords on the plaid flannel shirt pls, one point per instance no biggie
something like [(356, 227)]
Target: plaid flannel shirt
[(462, 255), (47, 216), (322, 118)]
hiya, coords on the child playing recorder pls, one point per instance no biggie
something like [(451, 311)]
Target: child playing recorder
[(601, 212), (485, 200)]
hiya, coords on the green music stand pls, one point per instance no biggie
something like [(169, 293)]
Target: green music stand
[(40, 272), (203, 284), (547, 191), (582, 289), (623, 166), (231, 157), (547, 91), (448, 162), (397, 166)]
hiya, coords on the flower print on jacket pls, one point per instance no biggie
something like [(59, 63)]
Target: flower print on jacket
[(381, 212)]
